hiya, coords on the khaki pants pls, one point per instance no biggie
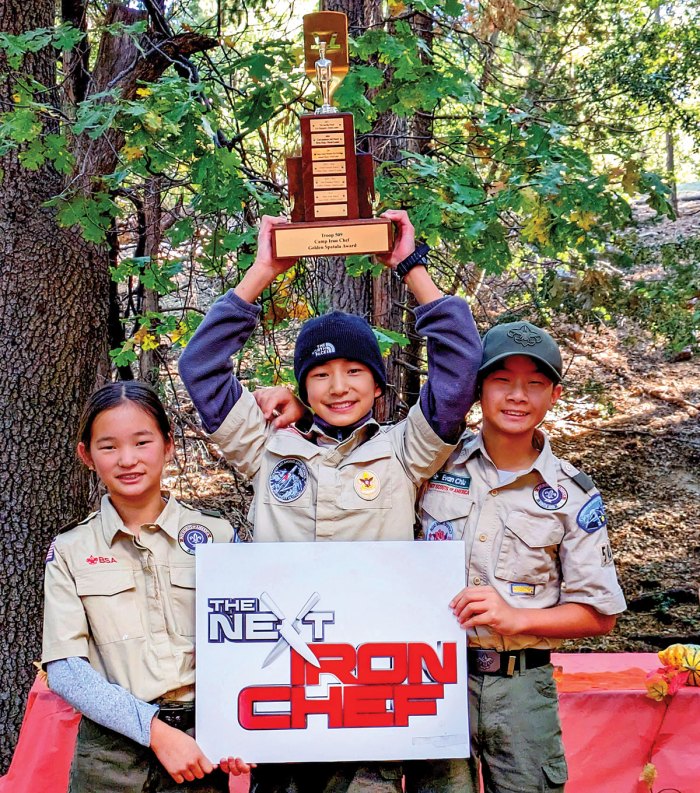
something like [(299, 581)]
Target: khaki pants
[(326, 778), (515, 740), (106, 762)]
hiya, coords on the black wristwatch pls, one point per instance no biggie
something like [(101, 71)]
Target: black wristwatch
[(419, 256)]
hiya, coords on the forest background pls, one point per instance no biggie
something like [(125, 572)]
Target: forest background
[(538, 147)]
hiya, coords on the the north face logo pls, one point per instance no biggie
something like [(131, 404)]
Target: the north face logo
[(525, 335), (323, 349)]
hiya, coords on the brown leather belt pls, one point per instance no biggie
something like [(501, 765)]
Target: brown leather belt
[(506, 664)]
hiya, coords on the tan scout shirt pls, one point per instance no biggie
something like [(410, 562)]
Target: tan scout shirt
[(540, 539), (363, 488), (128, 605)]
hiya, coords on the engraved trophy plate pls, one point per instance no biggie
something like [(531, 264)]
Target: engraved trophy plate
[(331, 186)]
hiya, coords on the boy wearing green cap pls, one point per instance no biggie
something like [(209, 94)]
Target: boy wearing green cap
[(539, 569)]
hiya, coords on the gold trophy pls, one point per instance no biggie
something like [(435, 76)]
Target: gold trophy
[(331, 186)]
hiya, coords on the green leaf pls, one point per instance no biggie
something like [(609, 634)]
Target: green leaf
[(34, 156), (388, 338)]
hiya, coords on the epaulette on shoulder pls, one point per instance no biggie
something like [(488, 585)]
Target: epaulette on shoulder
[(73, 523), (212, 513), (582, 480)]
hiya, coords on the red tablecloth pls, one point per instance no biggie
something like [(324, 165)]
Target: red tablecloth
[(611, 730)]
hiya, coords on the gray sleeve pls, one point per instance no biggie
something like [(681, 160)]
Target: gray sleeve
[(101, 701)]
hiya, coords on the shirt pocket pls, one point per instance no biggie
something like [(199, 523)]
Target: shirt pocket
[(366, 478), (444, 516), (110, 603), (530, 548), (182, 593)]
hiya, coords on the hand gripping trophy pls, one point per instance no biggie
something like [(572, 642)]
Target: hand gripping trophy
[(331, 186)]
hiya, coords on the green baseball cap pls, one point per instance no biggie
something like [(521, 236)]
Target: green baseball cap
[(521, 338)]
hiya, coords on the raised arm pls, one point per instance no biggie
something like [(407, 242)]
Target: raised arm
[(454, 347), (205, 363)]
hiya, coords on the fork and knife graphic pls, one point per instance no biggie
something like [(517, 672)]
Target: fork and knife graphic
[(290, 631)]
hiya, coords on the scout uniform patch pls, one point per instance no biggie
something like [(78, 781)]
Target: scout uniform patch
[(606, 555), (522, 590), (192, 535), (51, 552), (591, 516), (549, 498), (453, 484), (367, 485), (288, 479), (440, 530)]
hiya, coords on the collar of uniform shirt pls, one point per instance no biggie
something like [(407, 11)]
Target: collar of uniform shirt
[(112, 523), (338, 434), (545, 464)]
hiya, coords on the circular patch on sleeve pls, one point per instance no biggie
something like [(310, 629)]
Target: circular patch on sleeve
[(549, 498), (591, 516), (288, 479), (440, 530), (367, 485), (192, 535)]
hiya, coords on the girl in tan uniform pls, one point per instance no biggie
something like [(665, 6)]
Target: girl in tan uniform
[(119, 609)]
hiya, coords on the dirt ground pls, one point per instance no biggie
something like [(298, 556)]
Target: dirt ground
[(630, 418)]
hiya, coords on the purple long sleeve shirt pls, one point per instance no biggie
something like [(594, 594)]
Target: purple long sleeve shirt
[(454, 357)]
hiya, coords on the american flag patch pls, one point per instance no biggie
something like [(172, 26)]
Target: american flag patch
[(50, 555)]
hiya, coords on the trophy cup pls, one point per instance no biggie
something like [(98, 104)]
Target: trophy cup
[(331, 186)]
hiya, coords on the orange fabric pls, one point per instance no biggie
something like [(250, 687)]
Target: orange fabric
[(44, 750), (627, 680)]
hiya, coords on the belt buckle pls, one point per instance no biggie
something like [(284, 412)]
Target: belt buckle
[(488, 661)]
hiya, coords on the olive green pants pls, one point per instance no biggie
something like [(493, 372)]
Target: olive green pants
[(106, 762), (326, 778), (515, 740)]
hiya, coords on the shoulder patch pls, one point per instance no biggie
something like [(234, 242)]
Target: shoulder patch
[(212, 513)]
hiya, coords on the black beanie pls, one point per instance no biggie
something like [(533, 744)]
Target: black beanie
[(336, 335)]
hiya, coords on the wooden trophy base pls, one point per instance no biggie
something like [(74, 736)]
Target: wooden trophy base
[(332, 238)]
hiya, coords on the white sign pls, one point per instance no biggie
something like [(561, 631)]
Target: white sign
[(378, 667)]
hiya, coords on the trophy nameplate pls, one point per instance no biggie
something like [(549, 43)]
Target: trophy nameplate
[(331, 186)]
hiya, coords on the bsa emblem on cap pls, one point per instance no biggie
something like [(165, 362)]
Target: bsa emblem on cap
[(367, 485), (525, 335), (549, 498), (440, 530), (192, 535), (288, 479)]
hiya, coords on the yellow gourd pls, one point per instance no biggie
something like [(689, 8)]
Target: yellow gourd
[(685, 657), (692, 664)]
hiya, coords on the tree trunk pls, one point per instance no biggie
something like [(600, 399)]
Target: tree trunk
[(53, 330), (149, 362), (53, 308), (671, 169), (380, 298)]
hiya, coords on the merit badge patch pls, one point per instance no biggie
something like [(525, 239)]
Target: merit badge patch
[(522, 590), (367, 485), (592, 517), (51, 552), (288, 479), (606, 555), (440, 530), (549, 498), (192, 535), (444, 482)]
